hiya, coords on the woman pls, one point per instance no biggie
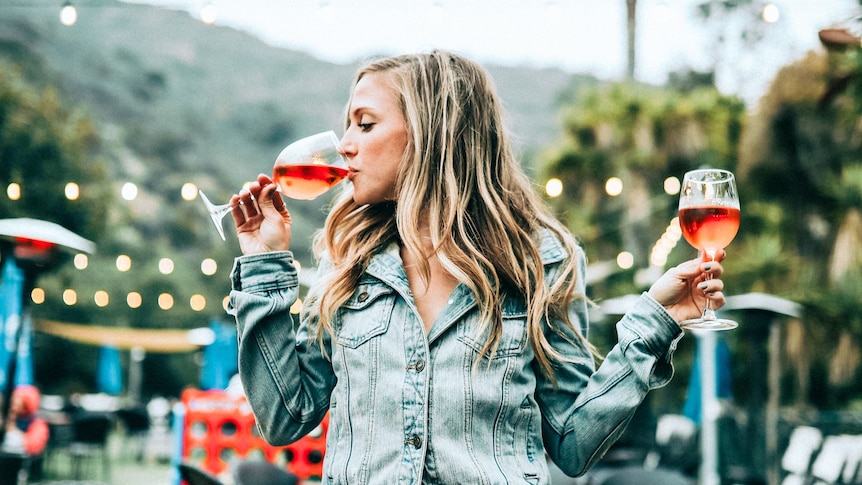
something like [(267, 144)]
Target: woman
[(446, 334)]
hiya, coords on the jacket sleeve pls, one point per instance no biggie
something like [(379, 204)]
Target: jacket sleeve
[(286, 377), (588, 409)]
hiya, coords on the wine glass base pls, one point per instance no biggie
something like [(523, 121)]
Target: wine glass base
[(216, 212), (709, 324)]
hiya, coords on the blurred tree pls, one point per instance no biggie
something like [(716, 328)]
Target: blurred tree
[(802, 160), (641, 135), (42, 148)]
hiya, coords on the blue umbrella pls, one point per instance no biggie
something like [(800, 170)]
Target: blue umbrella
[(11, 318), (109, 378), (220, 357)]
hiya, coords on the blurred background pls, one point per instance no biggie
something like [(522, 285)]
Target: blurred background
[(114, 114)]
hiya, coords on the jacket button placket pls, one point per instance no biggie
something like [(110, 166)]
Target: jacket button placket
[(414, 397)]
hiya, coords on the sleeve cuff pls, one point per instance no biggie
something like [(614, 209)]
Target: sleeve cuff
[(264, 272)]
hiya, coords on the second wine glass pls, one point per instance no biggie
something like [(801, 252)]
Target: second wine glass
[(709, 219), (304, 170)]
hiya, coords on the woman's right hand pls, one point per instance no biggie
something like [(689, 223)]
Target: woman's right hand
[(261, 218)]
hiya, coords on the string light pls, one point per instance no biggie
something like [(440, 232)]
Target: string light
[(166, 301), (665, 244), (81, 261), (209, 266), (209, 14), (166, 266), (554, 187), (198, 302), (625, 260), (124, 263), (129, 191), (68, 14), (672, 185), (101, 298), (189, 191), (72, 190), (13, 191), (134, 299), (770, 13), (614, 186)]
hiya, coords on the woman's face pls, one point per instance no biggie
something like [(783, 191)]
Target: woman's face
[(375, 139)]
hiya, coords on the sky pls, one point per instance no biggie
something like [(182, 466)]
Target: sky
[(579, 36)]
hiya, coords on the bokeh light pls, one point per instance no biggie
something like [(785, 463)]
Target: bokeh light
[(209, 266), (134, 299), (166, 301), (129, 191), (73, 191), (124, 263), (554, 187), (166, 266), (13, 191), (101, 298), (672, 185), (70, 296), (189, 191), (770, 13), (625, 260), (198, 302), (81, 261), (614, 186), (68, 14), (209, 14)]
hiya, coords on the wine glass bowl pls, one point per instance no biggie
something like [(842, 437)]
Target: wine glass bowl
[(304, 170), (308, 169), (709, 219)]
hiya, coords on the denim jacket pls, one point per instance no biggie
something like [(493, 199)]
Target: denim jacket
[(410, 407)]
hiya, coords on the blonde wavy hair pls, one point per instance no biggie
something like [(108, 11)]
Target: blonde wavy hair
[(460, 174)]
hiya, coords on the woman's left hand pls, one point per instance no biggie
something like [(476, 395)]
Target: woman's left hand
[(685, 289)]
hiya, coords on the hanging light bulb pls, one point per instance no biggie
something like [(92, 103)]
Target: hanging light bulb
[(770, 13), (68, 14), (208, 14)]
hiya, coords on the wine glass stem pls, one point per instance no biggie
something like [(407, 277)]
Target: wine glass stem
[(709, 313)]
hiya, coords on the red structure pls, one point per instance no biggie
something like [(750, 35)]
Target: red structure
[(219, 429)]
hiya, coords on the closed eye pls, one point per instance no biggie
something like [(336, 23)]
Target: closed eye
[(365, 126)]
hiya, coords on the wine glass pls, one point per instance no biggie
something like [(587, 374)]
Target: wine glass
[(709, 218), (304, 170)]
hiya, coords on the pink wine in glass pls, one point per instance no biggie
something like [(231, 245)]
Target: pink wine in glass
[(709, 228), (709, 219), (307, 182), (304, 170)]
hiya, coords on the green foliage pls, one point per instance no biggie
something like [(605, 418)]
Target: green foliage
[(42, 148), (114, 100), (643, 135)]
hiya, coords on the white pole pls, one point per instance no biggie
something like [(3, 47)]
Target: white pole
[(710, 409)]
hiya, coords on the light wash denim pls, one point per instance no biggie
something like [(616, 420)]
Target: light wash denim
[(489, 424)]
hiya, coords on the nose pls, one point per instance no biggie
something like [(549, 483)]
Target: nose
[(346, 146)]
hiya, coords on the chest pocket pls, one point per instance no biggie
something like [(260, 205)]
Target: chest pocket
[(365, 315), (514, 336)]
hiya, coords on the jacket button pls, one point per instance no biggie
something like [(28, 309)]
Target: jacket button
[(363, 296), (415, 440), (419, 366)]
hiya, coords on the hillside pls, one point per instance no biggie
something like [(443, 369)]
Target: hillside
[(174, 101), (178, 101)]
